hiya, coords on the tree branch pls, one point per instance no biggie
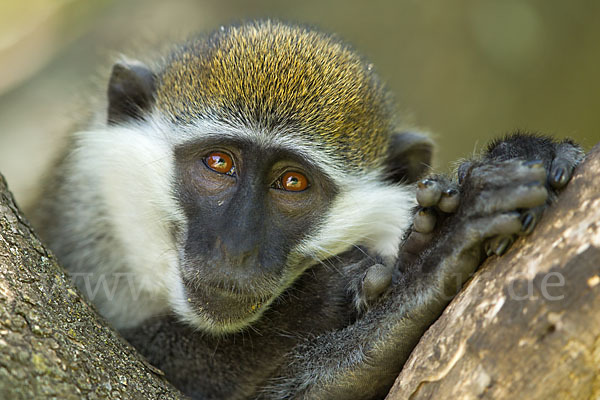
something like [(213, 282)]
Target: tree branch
[(52, 344)]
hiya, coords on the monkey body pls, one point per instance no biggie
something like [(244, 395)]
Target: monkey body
[(245, 216), (240, 365)]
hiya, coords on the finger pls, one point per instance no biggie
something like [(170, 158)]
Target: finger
[(560, 173), (568, 155), (449, 200), (498, 245), (416, 242), (428, 192), (424, 220), (529, 195), (529, 220), (499, 174), (504, 224)]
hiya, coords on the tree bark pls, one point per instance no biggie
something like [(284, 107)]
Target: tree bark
[(527, 325), (52, 344)]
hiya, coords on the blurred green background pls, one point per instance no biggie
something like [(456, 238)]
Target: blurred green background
[(464, 70)]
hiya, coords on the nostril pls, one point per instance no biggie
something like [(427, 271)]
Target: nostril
[(237, 255)]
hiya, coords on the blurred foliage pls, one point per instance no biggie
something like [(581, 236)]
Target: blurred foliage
[(465, 70)]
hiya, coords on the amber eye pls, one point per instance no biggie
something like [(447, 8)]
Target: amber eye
[(294, 182), (220, 162)]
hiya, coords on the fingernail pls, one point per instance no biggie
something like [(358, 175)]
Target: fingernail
[(559, 174), (449, 192), (424, 183), (502, 246), (462, 171), (488, 250), (527, 223)]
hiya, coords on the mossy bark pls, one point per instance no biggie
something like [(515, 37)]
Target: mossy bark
[(52, 343)]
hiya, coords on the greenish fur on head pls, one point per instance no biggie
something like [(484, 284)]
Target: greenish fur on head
[(281, 79)]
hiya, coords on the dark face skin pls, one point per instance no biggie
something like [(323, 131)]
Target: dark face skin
[(246, 208)]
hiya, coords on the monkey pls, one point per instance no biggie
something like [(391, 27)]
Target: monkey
[(266, 227)]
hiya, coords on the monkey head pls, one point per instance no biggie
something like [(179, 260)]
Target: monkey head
[(251, 155)]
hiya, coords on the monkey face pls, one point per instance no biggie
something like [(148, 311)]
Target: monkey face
[(247, 207)]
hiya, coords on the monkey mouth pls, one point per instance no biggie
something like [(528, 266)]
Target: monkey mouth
[(225, 308)]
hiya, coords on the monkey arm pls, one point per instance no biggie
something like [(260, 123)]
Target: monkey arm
[(501, 196), (362, 360)]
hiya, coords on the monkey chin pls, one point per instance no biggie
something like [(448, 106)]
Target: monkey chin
[(219, 311)]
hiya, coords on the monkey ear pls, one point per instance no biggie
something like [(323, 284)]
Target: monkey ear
[(130, 91), (409, 156)]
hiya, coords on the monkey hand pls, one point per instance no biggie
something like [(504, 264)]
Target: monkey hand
[(499, 196)]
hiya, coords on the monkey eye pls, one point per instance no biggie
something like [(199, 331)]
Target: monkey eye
[(220, 162), (292, 182)]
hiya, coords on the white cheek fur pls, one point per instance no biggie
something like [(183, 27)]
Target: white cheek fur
[(372, 214), (124, 177)]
